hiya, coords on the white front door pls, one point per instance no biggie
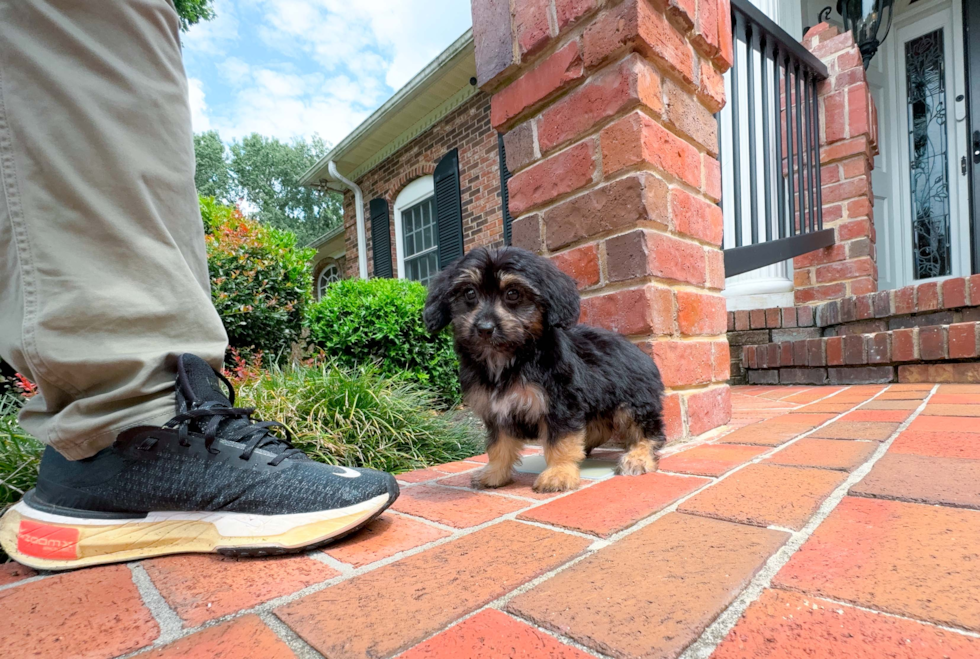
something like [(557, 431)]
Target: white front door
[(921, 194)]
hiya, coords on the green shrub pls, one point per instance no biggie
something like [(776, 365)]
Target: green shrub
[(358, 417), (20, 454), (260, 280), (380, 321)]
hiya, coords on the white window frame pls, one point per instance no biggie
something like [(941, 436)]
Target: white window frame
[(323, 271), (417, 191)]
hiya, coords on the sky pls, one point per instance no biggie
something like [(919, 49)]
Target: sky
[(295, 68)]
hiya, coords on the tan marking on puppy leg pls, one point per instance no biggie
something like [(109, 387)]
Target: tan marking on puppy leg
[(640, 457), (597, 432), (563, 458), (502, 454)]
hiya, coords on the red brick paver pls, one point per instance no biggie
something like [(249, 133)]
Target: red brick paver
[(938, 444), (454, 507), (825, 453), (945, 424), (390, 609), (767, 433), (653, 592), (384, 537), (89, 613), (870, 430), (491, 634), (784, 624), (247, 636), (420, 475), (766, 494), (520, 486), (969, 411), (614, 504), (710, 459), (905, 558), (925, 479), (202, 588), (890, 562)]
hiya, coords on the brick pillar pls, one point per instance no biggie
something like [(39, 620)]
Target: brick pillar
[(848, 144), (607, 111)]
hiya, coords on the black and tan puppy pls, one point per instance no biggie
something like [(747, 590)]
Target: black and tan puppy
[(532, 372)]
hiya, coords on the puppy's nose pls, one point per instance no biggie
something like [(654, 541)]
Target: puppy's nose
[(485, 328)]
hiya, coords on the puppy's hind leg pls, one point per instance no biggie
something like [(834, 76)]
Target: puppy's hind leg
[(641, 450), (503, 451), (563, 457)]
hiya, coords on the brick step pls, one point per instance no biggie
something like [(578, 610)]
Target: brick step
[(932, 304), (935, 353)]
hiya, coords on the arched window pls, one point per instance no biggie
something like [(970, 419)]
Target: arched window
[(328, 275), (416, 233)]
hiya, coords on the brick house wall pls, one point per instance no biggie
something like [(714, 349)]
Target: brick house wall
[(466, 128)]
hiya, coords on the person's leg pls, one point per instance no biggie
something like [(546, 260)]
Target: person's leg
[(104, 302), (103, 275)]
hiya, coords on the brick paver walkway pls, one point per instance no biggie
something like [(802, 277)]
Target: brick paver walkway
[(824, 522)]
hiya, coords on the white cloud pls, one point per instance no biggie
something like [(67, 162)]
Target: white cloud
[(287, 105), (199, 107), (289, 68), (214, 37), (397, 36)]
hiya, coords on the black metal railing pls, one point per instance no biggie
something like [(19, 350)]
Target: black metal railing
[(774, 109)]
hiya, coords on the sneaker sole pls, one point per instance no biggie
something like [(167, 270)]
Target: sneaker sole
[(45, 541)]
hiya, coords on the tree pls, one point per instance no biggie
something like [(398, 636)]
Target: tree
[(211, 176), (263, 174), (193, 11)]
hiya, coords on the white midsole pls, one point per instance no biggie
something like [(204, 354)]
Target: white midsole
[(227, 524)]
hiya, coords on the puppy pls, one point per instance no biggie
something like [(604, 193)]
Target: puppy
[(533, 373)]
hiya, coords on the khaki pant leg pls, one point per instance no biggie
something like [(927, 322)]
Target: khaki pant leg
[(103, 274)]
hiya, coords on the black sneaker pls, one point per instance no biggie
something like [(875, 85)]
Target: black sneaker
[(210, 480)]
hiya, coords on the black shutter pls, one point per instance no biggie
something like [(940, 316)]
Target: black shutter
[(381, 237), (504, 193), (449, 209)]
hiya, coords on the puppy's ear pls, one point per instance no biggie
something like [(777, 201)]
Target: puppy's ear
[(559, 293), (438, 310)]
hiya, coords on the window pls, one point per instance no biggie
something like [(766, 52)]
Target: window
[(328, 275), (421, 241), (416, 232)]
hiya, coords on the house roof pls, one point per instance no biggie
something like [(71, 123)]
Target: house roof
[(327, 237), (442, 86)]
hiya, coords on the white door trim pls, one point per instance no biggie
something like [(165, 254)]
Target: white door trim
[(918, 20)]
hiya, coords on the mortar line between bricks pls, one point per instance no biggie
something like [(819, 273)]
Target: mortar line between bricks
[(169, 622), (853, 605), (300, 648), (501, 602), (37, 577), (716, 632), (268, 606)]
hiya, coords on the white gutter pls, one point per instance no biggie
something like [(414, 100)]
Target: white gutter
[(359, 214)]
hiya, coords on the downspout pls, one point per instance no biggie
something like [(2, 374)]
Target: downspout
[(359, 214)]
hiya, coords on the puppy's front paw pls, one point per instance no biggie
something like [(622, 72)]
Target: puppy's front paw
[(557, 479), (636, 463), (490, 477)]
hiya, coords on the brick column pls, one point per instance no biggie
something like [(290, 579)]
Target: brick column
[(607, 112), (848, 144)]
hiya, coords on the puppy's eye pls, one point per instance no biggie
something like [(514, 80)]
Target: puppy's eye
[(512, 295), (470, 294)]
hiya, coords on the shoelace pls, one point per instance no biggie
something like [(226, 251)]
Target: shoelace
[(257, 434)]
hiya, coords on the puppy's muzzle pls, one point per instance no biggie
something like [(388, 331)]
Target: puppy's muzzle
[(485, 329)]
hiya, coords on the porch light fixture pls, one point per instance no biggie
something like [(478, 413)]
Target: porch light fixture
[(866, 19)]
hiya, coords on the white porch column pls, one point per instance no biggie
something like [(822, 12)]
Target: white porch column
[(771, 286)]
